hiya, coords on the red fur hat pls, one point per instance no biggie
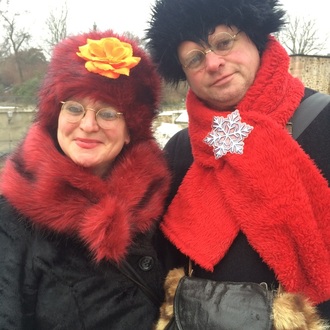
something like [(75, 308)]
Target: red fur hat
[(136, 94)]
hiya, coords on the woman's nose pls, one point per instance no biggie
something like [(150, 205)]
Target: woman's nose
[(89, 122)]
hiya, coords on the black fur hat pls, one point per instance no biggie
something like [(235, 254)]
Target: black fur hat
[(174, 21)]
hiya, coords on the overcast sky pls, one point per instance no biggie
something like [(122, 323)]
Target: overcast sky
[(132, 15)]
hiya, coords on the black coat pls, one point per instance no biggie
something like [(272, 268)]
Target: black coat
[(62, 229), (49, 281), (242, 263)]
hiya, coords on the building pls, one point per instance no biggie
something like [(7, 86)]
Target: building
[(313, 71)]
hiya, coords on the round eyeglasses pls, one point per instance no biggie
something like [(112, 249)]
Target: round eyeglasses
[(73, 112), (220, 44)]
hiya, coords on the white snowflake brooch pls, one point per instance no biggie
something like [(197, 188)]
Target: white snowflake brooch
[(228, 134)]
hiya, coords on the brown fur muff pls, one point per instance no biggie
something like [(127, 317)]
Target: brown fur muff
[(291, 311)]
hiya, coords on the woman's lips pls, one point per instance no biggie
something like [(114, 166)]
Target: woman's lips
[(87, 143)]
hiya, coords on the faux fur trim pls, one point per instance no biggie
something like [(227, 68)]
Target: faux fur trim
[(296, 312), (54, 193), (166, 309)]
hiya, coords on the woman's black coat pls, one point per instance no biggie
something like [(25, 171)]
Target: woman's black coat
[(49, 281)]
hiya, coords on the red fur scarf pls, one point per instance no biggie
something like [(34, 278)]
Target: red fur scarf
[(273, 192), (47, 187)]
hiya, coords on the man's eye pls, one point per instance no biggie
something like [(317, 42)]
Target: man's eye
[(223, 44), (195, 59)]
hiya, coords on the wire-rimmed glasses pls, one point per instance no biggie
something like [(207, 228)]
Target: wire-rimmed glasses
[(221, 44), (73, 112)]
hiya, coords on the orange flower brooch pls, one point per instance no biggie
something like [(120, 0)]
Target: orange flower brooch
[(108, 57)]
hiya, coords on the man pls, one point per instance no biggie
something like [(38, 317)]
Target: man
[(248, 203)]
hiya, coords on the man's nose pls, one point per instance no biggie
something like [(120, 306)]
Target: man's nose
[(212, 60)]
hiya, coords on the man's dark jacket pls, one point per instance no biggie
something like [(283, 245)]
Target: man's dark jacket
[(242, 263)]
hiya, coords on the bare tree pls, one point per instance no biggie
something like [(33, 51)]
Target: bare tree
[(134, 37), (15, 38), (300, 37), (57, 28)]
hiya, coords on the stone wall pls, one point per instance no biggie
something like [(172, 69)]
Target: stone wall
[(313, 71), (14, 124)]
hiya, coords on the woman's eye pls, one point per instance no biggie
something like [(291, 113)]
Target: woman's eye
[(74, 109), (107, 114)]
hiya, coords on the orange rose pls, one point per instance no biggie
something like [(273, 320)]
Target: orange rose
[(108, 57)]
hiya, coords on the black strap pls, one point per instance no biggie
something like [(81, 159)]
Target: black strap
[(126, 269), (307, 112)]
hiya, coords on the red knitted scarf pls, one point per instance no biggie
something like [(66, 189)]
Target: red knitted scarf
[(53, 192), (272, 192)]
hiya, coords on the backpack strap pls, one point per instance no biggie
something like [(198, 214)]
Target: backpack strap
[(307, 112)]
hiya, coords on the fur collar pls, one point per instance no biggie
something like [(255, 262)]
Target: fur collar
[(53, 192), (272, 192)]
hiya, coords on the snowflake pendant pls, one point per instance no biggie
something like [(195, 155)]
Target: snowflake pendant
[(228, 134)]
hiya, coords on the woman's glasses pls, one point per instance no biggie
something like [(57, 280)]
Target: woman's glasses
[(221, 44), (73, 112)]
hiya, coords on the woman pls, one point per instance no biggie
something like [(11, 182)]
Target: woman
[(83, 192)]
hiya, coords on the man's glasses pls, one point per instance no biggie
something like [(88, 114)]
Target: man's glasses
[(221, 44), (73, 112)]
